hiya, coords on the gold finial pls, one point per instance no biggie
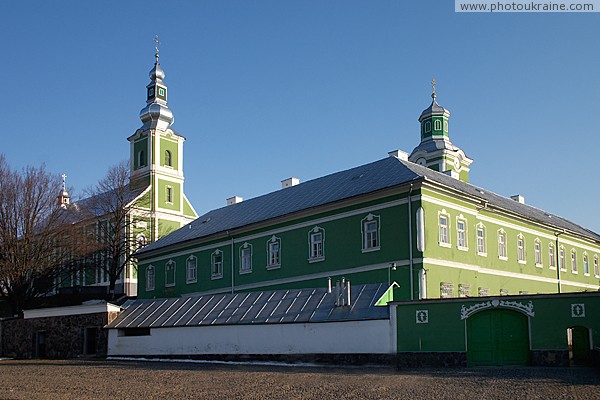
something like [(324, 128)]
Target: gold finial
[(156, 43), (433, 95)]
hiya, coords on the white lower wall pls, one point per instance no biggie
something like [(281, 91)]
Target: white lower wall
[(308, 338)]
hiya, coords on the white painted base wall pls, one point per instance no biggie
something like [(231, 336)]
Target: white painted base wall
[(373, 337)]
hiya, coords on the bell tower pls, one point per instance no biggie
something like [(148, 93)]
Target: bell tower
[(436, 151), (156, 159)]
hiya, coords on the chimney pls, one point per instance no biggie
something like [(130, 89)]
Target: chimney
[(289, 182), (399, 154), (518, 198), (234, 200)]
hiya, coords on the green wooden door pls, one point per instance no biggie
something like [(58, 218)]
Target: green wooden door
[(581, 345), (497, 337)]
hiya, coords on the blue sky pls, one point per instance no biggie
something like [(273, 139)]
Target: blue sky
[(264, 90)]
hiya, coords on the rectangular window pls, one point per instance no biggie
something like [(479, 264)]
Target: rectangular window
[(461, 236), (217, 265), (562, 259), (170, 273), (273, 253), (521, 249), (502, 246), (464, 290), (191, 270), (551, 260), (596, 268), (444, 239), (586, 265), (538, 253), (316, 245), (169, 194), (246, 259), (481, 240), (371, 236), (150, 278), (573, 262), (446, 290)]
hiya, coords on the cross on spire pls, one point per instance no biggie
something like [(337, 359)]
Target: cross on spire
[(64, 183), (156, 43), (433, 95)]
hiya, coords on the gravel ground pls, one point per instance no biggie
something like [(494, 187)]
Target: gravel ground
[(81, 380)]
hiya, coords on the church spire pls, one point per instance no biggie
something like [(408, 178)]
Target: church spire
[(156, 114), (63, 197)]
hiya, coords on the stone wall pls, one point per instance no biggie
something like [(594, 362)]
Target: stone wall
[(64, 336)]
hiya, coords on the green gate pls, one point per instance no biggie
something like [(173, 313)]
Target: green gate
[(497, 337)]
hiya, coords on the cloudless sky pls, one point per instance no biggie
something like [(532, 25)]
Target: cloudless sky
[(265, 90)]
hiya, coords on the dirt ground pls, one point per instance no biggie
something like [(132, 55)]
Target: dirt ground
[(82, 380)]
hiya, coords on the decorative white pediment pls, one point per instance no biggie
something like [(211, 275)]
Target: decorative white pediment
[(527, 309)]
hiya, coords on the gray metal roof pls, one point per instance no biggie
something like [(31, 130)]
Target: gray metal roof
[(272, 307), (368, 178)]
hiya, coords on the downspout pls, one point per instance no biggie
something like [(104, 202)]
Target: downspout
[(557, 255), (410, 244), (232, 263)]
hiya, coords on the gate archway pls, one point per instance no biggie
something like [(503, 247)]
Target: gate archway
[(497, 337)]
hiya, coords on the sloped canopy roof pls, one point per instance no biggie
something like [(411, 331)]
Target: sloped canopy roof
[(364, 179), (271, 307)]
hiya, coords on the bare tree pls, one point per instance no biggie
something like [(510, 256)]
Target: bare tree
[(111, 204), (37, 239)]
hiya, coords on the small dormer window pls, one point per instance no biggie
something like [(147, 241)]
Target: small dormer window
[(427, 127), (168, 158), (141, 158)]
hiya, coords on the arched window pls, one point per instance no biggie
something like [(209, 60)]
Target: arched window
[(170, 273), (168, 158), (150, 278), (192, 266), (437, 125)]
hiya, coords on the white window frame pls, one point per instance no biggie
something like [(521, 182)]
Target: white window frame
[(537, 248), (574, 269), (562, 257), (273, 258), (446, 290), (481, 244), (586, 264), (521, 254), (444, 230), (464, 290), (168, 265), (245, 258), (596, 267), (461, 234), (502, 245), (551, 256), (150, 278), (191, 269), (216, 273), (316, 248), (371, 239), (437, 125)]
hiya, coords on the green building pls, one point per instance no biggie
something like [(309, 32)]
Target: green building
[(410, 219)]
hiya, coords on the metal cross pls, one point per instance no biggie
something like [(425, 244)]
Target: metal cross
[(156, 43), (433, 88), (64, 181)]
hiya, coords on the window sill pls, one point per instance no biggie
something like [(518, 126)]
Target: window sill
[(369, 250), (482, 254), (586, 274), (575, 272), (244, 272), (539, 265), (462, 248), (522, 262), (274, 266), (318, 259), (149, 289), (444, 244), (552, 267), (216, 276), (169, 285), (503, 258), (191, 281), (563, 270)]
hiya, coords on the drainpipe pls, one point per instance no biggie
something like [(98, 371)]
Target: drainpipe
[(410, 243), (232, 263), (558, 266)]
